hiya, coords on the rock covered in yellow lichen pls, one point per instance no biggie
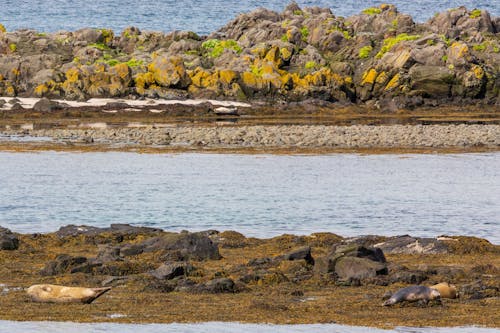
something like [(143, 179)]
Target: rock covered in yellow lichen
[(169, 71)]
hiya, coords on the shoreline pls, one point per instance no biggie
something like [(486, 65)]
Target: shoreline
[(159, 126), (227, 277)]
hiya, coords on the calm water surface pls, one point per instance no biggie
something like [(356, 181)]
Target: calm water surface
[(15, 327), (199, 16), (258, 195)]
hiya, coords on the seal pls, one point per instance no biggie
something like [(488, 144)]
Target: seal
[(49, 293), (413, 294), (446, 290)]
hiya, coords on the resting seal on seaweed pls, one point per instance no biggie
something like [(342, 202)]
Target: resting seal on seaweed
[(413, 294), (49, 293)]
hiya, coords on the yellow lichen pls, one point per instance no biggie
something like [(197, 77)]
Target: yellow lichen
[(459, 49), (72, 75), (393, 83), (227, 76), (121, 70), (478, 72), (2, 28), (285, 54), (382, 78), (41, 90), (369, 77)]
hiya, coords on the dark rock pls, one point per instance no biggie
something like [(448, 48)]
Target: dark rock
[(218, 286), (412, 245), (479, 290), (16, 107), (171, 270), (260, 261), (116, 106), (373, 253), (350, 262), (117, 229), (114, 281), (194, 246), (358, 268), (62, 264), (299, 254), (8, 241), (131, 249), (408, 277), (46, 105), (109, 254)]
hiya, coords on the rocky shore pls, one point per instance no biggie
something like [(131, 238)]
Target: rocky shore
[(379, 57), (160, 276), (274, 137)]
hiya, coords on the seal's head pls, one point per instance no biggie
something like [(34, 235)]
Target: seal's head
[(39, 291)]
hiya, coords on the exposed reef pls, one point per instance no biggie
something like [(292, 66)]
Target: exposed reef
[(160, 276), (380, 57)]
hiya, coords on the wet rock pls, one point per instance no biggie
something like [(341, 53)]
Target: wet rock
[(358, 268), (8, 241), (303, 253), (46, 105), (108, 254), (479, 290), (131, 249), (65, 263), (412, 245), (169, 271), (116, 229), (185, 246), (352, 263), (218, 286), (408, 277)]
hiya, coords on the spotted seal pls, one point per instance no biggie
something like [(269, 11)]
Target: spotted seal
[(413, 294), (446, 290), (49, 293)]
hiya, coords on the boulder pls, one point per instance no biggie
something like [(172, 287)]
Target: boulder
[(432, 81), (170, 72), (348, 268), (46, 105), (218, 286), (64, 263), (169, 271), (8, 241), (351, 262), (412, 245), (184, 246), (304, 253)]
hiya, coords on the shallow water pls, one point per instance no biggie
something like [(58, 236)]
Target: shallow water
[(200, 16), (56, 327), (258, 195)]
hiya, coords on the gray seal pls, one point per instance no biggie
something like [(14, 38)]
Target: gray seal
[(413, 294)]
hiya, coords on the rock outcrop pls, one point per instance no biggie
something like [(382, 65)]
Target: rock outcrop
[(379, 56)]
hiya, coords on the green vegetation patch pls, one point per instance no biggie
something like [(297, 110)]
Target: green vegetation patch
[(365, 51), (475, 13), (372, 11), (216, 47), (305, 33), (134, 63), (389, 43), (311, 65), (479, 47), (99, 46)]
